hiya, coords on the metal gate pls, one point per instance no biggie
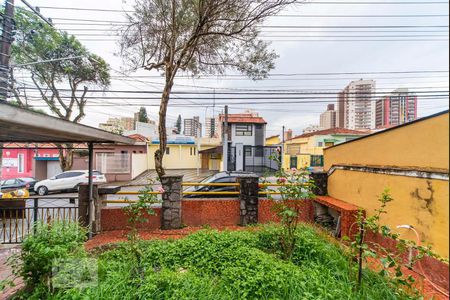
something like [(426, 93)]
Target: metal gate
[(19, 216), (231, 159), (261, 159)]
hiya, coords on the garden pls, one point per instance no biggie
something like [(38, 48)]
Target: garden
[(245, 264)]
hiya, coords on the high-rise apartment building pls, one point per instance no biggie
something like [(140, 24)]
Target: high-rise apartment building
[(118, 125), (212, 127), (398, 108), (328, 118), (193, 127), (356, 106)]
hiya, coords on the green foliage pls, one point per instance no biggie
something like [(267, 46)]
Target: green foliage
[(136, 213), (390, 259), (233, 265), (296, 188), (143, 117), (178, 124), (57, 240)]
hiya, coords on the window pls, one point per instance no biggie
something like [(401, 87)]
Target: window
[(113, 163), (316, 160), (10, 182), (167, 151), (329, 144), (244, 130), (248, 151), (21, 163)]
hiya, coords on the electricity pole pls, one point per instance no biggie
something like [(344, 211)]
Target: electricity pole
[(5, 48), (225, 141)]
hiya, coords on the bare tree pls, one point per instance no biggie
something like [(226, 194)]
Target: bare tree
[(198, 37)]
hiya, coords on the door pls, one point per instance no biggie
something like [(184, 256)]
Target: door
[(205, 161), (240, 157), (294, 162), (53, 168)]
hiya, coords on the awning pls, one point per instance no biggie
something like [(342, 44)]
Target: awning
[(21, 125), (216, 150)]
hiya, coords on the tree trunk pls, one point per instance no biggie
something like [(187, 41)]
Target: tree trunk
[(65, 157), (159, 154)]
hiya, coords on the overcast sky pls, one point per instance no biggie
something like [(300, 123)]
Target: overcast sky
[(299, 56)]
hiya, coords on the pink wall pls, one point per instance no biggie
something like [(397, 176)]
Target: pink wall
[(11, 155)]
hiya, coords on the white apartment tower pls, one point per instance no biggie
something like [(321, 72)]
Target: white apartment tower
[(328, 118), (357, 106)]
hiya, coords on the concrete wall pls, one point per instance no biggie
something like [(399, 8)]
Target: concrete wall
[(139, 164), (420, 202)]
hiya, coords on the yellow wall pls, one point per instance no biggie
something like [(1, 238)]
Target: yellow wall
[(179, 158), (421, 144), (306, 146), (419, 202), (275, 140)]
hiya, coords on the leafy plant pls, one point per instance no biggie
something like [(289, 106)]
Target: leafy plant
[(136, 213), (296, 187), (391, 260), (53, 241)]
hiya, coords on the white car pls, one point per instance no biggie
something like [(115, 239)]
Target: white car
[(69, 180)]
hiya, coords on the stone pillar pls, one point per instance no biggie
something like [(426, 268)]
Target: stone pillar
[(321, 182), (248, 198), (171, 206)]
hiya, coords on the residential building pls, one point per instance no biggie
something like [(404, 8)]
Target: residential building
[(312, 128), (398, 108), (247, 129), (274, 140), (212, 127), (147, 130), (193, 127), (306, 150), (122, 163), (22, 162), (356, 106), (288, 134), (328, 118), (118, 125), (181, 153), (412, 161)]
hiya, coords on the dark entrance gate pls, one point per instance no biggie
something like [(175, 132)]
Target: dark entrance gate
[(231, 159), (261, 160), (19, 217)]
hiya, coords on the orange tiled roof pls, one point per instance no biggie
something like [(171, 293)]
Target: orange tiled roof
[(244, 118), (334, 131), (138, 137)]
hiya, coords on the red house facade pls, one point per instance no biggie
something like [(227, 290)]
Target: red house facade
[(21, 162)]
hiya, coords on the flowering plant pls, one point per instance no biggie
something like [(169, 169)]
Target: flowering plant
[(294, 187)]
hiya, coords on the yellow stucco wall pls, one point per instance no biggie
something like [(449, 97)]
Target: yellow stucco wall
[(421, 144), (179, 158), (419, 202), (274, 140)]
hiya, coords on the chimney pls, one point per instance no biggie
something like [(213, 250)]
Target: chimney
[(288, 135)]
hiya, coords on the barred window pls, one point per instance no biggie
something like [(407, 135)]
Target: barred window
[(244, 130)]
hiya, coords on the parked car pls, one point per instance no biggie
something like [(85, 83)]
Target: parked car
[(67, 181), (18, 183), (222, 177)]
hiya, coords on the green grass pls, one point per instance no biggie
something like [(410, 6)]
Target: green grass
[(233, 265)]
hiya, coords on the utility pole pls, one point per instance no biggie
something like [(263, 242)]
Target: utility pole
[(225, 141), (5, 48)]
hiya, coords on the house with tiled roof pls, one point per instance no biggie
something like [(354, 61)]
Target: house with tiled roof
[(306, 150)]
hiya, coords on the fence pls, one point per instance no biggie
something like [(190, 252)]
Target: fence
[(19, 216)]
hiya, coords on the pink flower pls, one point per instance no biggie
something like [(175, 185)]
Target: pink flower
[(294, 169), (282, 180), (161, 190)]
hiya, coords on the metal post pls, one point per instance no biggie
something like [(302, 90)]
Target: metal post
[(5, 54), (35, 214), (91, 187), (225, 141), (360, 254)]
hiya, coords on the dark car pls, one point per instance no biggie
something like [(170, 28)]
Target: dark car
[(222, 177), (18, 183)]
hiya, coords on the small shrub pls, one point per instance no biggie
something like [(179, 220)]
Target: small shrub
[(57, 240)]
